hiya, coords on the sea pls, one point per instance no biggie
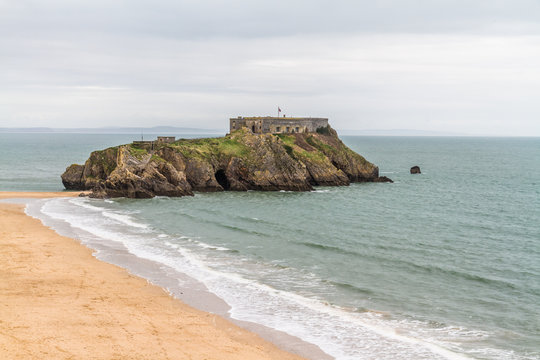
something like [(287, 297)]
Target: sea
[(440, 265)]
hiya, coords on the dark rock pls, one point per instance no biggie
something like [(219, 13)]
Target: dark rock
[(72, 177), (325, 174), (202, 176), (383, 179), (98, 193), (415, 170)]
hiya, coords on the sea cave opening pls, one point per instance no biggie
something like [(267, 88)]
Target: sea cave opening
[(222, 180)]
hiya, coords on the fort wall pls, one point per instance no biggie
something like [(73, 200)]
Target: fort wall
[(278, 125)]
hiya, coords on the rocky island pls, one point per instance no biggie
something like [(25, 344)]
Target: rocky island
[(242, 160)]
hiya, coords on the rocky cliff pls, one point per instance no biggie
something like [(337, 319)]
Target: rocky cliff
[(239, 161)]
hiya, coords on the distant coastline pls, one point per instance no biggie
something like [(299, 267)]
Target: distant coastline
[(114, 130), (401, 132), (165, 130)]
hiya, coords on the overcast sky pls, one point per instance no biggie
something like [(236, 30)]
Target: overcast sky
[(450, 66)]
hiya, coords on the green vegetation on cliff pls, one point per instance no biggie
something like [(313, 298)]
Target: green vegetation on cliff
[(210, 148), (296, 147), (104, 161), (137, 152)]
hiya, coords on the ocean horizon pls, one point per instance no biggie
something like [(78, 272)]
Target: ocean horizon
[(439, 265)]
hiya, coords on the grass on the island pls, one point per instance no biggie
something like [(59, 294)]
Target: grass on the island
[(295, 151), (209, 148), (138, 153)]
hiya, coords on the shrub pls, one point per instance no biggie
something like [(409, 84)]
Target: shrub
[(325, 130), (288, 149)]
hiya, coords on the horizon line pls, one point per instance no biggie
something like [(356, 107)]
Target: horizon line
[(345, 132)]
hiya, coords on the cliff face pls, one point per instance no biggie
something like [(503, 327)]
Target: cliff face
[(240, 161)]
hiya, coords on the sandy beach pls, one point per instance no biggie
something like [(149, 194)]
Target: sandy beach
[(58, 302)]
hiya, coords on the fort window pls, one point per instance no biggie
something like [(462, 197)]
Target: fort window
[(253, 128), (278, 128), (288, 128), (297, 129)]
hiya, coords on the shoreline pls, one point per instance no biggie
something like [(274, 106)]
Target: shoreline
[(59, 300)]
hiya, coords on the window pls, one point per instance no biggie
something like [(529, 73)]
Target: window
[(278, 129), (297, 129), (287, 129)]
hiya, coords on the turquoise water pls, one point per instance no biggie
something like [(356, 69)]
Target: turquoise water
[(445, 264)]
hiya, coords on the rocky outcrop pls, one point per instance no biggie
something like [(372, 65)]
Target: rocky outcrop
[(383, 179), (415, 170), (239, 161), (72, 177)]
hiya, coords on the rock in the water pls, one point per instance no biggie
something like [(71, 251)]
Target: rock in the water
[(415, 170), (383, 179), (72, 177), (240, 161)]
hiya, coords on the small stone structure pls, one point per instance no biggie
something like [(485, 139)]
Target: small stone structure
[(151, 143), (278, 125), (166, 139)]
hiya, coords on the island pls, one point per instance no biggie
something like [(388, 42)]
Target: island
[(259, 153)]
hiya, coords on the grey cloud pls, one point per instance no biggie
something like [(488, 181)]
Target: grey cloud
[(260, 18), (433, 65)]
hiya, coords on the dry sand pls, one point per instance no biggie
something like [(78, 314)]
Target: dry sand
[(58, 302)]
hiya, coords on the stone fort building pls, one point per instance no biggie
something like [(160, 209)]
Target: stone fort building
[(278, 125)]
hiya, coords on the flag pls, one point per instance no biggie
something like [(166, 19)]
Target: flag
[(278, 109)]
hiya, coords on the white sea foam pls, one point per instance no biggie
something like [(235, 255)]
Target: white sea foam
[(170, 244), (212, 247), (83, 203), (126, 219), (119, 217), (94, 222)]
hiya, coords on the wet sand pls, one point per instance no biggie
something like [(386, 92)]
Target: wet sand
[(57, 302), (38, 194)]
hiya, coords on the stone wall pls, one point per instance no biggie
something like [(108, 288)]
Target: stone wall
[(277, 125), (166, 139)]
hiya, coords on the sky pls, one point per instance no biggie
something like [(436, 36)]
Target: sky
[(465, 67)]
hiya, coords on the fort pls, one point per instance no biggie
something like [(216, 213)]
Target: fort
[(278, 125), (291, 154)]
